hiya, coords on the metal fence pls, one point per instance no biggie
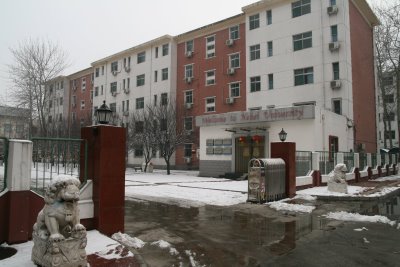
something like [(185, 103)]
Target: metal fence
[(348, 159), (3, 162), (374, 160), (57, 156), (303, 162), (363, 161), (326, 162)]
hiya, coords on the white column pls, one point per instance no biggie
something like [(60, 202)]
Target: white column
[(356, 160), (393, 159), (339, 158), (315, 161), (386, 159), (369, 160), (19, 165), (378, 160)]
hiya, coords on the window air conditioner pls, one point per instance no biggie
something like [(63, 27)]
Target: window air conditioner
[(188, 79), (188, 160), (127, 68), (230, 100), (229, 42), (114, 72), (335, 84), (189, 53), (332, 10), (188, 105), (230, 71), (114, 94), (334, 46)]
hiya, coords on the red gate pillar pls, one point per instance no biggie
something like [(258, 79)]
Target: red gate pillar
[(287, 152), (106, 167)]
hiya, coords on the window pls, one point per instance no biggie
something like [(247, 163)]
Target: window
[(114, 66), (61, 101), (155, 100), (113, 107), (50, 104), (139, 126), (255, 84), (388, 99), (334, 33), (254, 52), (128, 83), (139, 152), (189, 46), (301, 7), (97, 72), (73, 100), (189, 71), (335, 68), (62, 85), (140, 80), (127, 105), (269, 17), (210, 77), (210, 104), (164, 99), (164, 74), (234, 89), (7, 128), (156, 52), (141, 57), (390, 134), (188, 123), (165, 49), (155, 76), (234, 32), (102, 90), (210, 46), (127, 62), (270, 81), (163, 125), (140, 103), (390, 116), (332, 2), (333, 146), (50, 121), (102, 70), (254, 21), (113, 87), (270, 51), (189, 97), (188, 151), (304, 76), (337, 106), (82, 104), (387, 81), (302, 41), (96, 91), (234, 61), (19, 128), (83, 84)]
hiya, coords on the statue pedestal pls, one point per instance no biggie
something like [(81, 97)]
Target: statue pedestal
[(337, 187), (67, 253)]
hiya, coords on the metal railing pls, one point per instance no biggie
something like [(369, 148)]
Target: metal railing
[(303, 162), (374, 160), (57, 156), (326, 162), (348, 158), (363, 161), (3, 162)]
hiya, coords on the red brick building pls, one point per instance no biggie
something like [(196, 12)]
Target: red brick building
[(211, 78)]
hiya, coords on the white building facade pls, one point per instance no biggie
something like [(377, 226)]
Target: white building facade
[(134, 78)]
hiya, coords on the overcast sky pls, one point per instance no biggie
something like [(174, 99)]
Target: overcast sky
[(89, 30)]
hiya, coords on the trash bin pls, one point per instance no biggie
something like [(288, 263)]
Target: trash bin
[(266, 180)]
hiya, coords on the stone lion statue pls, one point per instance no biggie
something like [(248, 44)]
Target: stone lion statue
[(337, 179), (59, 218)]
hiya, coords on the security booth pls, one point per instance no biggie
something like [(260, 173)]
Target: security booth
[(266, 180)]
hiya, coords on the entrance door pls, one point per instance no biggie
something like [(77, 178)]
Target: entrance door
[(246, 148)]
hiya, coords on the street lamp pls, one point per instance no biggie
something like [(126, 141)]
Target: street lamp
[(103, 114), (282, 135)]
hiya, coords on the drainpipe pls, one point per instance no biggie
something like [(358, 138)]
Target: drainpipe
[(323, 78)]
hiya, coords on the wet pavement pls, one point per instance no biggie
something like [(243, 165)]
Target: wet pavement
[(256, 235)]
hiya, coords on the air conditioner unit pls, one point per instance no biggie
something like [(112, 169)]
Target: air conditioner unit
[(189, 105), (189, 53), (126, 113), (73, 105), (188, 160), (114, 94), (332, 10), (74, 87), (127, 68), (126, 90), (188, 79), (114, 72), (334, 46), (335, 84), (230, 100), (230, 71), (229, 42)]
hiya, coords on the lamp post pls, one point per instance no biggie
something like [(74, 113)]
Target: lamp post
[(282, 135), (103, 114)]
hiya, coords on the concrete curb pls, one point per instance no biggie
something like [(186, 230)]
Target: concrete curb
[(358, 198)]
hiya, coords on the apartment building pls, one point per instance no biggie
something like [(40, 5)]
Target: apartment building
[(211, 77), (309, 71), (132, 79), (14, 123), (57, 106), (81, 101), (388, 136)]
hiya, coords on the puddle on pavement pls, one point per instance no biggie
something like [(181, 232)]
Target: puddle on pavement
[(6, 252), (229, 236)]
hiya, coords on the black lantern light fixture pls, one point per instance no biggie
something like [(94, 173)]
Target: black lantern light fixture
[(282, 135), (103, 114)]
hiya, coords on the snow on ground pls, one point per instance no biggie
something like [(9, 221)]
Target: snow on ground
[(98, 244), (129, 241), (356, 217), (278, 205), (388, 178), (353, 191)]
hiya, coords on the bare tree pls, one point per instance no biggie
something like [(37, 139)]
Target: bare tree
[(170, 130), (35, 63), (142, 133)]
